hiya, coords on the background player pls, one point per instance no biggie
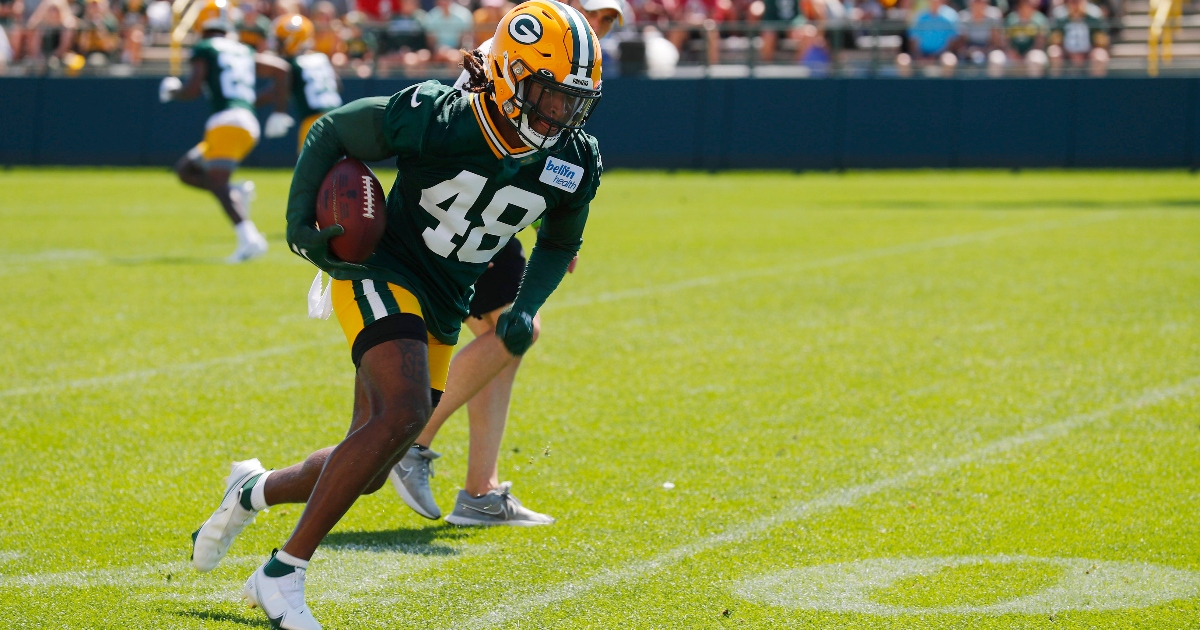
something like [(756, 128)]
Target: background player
[(482, 375), (316, 88), (470, 177), (225, 70)]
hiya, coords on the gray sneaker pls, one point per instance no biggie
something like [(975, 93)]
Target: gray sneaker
[(410, 478), (498, 507)]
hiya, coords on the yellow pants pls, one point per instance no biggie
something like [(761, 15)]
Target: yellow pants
[(302, 132), (360, 303), (229, 136)]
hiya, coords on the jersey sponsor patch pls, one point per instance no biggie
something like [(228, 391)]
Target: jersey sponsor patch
[(561, 174)]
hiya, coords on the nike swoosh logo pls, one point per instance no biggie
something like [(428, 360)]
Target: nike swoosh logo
[(414, 98), (405, 470), (498, 512)]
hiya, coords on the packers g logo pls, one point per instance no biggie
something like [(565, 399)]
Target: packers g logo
[(525, 28)]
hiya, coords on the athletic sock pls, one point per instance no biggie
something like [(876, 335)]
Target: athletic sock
[(258, 500), (246, 230), (283, 563), (248, 491), (420, 448)]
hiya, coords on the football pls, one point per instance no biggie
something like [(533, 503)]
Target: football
[(352, 197)]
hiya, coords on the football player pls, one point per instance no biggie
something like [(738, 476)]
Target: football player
[(482, 375), (473, 171), (225, 70), (316, 88)]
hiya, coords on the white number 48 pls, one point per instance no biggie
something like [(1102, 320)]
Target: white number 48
[(465, 189)]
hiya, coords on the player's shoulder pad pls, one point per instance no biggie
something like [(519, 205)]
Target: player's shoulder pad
[(410, 113)]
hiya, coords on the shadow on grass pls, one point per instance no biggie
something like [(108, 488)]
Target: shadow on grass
[(167, 260), (1034, 204), (252, 620), (417, 541)]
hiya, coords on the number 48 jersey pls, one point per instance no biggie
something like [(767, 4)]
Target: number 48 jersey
[(460, 194)]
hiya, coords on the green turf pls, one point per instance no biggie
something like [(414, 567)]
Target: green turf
[(829, 369)]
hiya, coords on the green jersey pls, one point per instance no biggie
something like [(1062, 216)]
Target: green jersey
[(314, 85), (458, 198), (230, 80)]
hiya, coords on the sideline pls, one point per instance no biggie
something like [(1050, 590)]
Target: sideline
[(512, 609)]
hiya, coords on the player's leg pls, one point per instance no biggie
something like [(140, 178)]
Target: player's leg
[(229, 137), (483, 499), (471, 370), (395, 377), (392, 352)]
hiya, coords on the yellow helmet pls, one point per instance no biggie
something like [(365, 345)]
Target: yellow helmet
[(293, 34), (214, 16), (545, 66)]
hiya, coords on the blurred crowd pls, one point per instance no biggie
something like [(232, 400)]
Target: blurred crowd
[(367, 37)]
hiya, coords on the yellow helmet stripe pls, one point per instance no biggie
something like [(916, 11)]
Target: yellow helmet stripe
[(581, 34)]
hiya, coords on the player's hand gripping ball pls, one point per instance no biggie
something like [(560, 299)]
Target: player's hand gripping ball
[(515, 329), (352, 198)]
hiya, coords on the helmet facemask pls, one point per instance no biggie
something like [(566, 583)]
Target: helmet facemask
[(547, 107)]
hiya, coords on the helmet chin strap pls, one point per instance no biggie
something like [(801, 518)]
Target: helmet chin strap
[(529, 135)]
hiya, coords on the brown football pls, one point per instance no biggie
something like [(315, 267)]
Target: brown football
[(351, 197)]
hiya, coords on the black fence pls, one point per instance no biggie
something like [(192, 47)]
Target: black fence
[(701, 123)]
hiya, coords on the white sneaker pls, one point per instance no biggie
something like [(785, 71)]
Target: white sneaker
[(250, 246), (211, 542), (410, 478), (281, 598)]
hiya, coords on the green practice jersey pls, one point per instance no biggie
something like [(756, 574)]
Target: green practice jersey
[(230, 72), (314, 85), (458, 197)]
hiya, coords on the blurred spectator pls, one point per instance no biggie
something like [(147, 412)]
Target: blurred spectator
[(487, 16), (779, 18), (360, 46), (327, 38), (12, 22), (981, 26), (932, 36), (448, 29), (1026, 29), (253, 28), (132, 16), (99, 33), (377, 10), (405, 42), (1079, 36), (50, 32)]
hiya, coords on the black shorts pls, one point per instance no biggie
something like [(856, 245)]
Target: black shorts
[(498, 285)]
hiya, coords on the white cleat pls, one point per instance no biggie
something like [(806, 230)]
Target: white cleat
[(211, 542), (243, 192), (281, 598), (253, 245)]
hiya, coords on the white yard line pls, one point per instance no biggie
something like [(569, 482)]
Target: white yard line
[(141, 375), (833, 261), (516, 608)]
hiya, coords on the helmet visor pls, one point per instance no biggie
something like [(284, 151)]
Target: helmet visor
[(553, 107)]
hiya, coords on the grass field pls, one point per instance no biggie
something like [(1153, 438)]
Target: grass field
[(885, 400)]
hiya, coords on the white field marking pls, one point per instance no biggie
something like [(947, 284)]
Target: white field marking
[(336, 574), (139, 375), (833, 261), (9, 556), (504, 611), (51, 255), (848, 587)]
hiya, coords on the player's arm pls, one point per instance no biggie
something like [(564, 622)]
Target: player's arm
[(558, 242), (279, 73), (171, 90), (355, 130)]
